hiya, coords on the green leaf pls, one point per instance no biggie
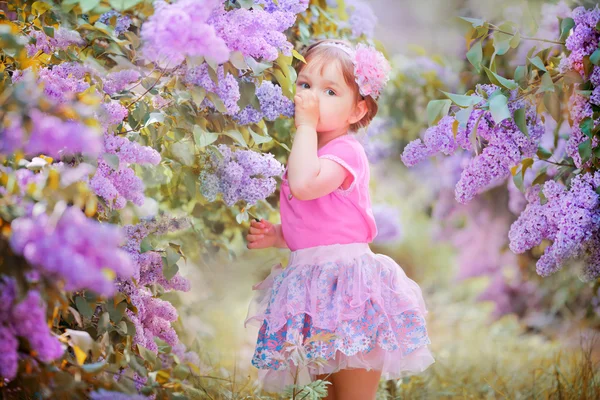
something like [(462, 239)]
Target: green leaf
[(202, 137), (519, 117), (237, 136), (595, 57), (537, 61), (87, 5), (547, 84), (259, 139), (552, 104), (462, 116), (499, 80), (527, 163), (298, 56), (515, 40), (122, 5), (436, 109), (541, 178), (476, 22), (475, 55), (48, 30), (502, 40), (518, 181), (172, 257), (147, 355), (521, 76), (258, 67), (241, 217), (585, 150), (499, 108), (94, 367), (462, 100), (103, 323), (116, 313), (83, 307), (155, 117), (543, 154), (586, 126), (237, 59), (565, 26), (112, 160), (183, 151)]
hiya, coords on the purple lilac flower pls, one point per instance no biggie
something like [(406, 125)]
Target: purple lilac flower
[(256, 33), (153, 319), (240, 175), (9, 358), (516, 199), (373, 142), (505, 146), (118, 186), (122, 22), (148, 265), (579, 108), (102, 394), (154, 316), (272, 101), (64, 81), (49, 135), (115, 111), (227, 88), (570, 219), (62, 39), (292, 6), (29, 321), (117, 81), (249, 115), (74, 249), (389, 227), (583, 40), (362, 18), (180, 29)]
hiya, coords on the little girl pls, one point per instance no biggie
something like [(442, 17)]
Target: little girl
[(366, 317)]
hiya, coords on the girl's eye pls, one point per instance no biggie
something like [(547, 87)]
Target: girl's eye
[(330, 92), (305, 85)]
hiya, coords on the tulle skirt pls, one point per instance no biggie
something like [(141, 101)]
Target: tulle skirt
[(336, 307)]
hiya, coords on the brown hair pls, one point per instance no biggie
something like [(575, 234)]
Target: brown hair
[(325, 54)]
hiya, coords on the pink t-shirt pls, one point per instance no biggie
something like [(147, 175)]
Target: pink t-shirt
[(340, 217)]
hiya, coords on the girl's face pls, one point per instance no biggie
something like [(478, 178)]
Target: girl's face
[(338, 108)]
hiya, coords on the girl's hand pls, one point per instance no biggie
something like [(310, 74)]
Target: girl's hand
[(307, 109), (262, 235)]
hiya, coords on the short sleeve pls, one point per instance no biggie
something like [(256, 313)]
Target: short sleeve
[(347, 154)]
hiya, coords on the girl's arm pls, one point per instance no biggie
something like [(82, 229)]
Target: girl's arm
[(308, 176), (280, 243)]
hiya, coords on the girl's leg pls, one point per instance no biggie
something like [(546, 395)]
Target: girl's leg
[(330, 390), (356, 384)]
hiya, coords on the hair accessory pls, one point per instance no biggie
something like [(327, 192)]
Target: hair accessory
[(371, 69)]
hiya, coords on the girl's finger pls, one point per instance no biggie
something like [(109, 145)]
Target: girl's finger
[(253, 238), (257, 231)]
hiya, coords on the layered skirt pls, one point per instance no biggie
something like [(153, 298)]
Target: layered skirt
[(337, 307)]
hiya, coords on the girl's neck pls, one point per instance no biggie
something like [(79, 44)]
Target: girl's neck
[(326, 137)]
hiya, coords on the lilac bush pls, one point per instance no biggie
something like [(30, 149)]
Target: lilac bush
[(240, 175)]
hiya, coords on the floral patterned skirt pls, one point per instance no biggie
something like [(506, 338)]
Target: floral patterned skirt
[(336, 307)]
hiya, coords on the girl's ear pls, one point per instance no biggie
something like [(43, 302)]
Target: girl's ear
[(360, 110)]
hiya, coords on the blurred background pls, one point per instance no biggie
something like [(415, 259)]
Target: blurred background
[(497, 328)]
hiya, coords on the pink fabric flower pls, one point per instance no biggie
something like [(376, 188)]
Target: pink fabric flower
[(371, 70)]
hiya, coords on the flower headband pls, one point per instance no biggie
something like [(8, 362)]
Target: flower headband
[(371, 69)]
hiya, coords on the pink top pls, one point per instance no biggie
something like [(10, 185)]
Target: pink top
[(340, 217)]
